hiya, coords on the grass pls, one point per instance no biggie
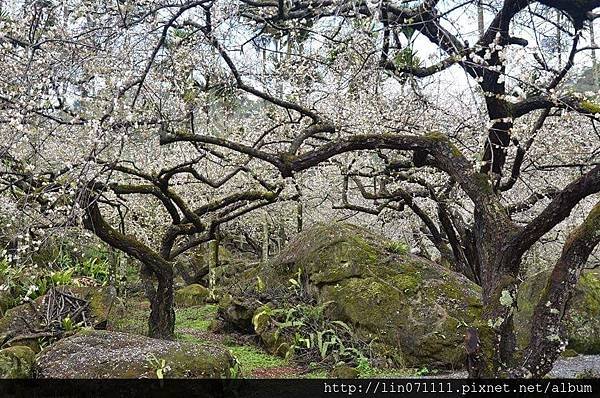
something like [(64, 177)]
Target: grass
[(195, 317), (373, 373), (251, 358), (392, 373), (316, 374), (134, 318), (188, 338)]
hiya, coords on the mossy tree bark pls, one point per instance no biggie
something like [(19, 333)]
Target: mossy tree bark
[(547, 334), (161, 323), (213, 264)]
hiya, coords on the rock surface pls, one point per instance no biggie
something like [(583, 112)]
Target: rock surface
[(413, 310), (16, 362), (582, 321), (104, 354), (344, 372), (191, 295)]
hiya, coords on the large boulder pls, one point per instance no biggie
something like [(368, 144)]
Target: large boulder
[(234, 314), (103, 354), (25, 324), (582, 321), (16, 362), (410, 308), (191, 295)]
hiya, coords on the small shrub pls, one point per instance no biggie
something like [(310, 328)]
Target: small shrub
[(95, 268), (397, 247), (315, 339)]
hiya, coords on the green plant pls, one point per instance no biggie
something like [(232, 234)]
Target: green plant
[(68, 325), (63, 260), (22, 282), (296, 283), (312, 337), (235, 370), (260, 284), (364, 367), (159, 366), (62, 277), (397, 247), (95, 268), (251, 358), (424, 371)]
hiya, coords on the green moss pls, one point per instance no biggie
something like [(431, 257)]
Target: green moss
[(251, 358), (590, 106), (134, 319), (407, 282), (455, 151), (483, 182), (582, 321), (217, 365), (16, 362), (436, 136), (591, 302), (568, 353), (191, 295), (440, 137), (370, 253), (345, 258)]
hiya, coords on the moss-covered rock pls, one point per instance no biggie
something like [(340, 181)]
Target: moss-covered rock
[(582, 321), (343, 371), (270, 335), (235, 314), (103, 354), (21, 321), (405, 304), (7, 301), (191, 295), (16, 362)]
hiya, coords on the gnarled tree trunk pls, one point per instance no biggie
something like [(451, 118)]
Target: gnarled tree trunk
[(161, 323), (547, 332)]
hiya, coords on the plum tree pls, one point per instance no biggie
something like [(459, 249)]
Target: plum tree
[(215, 108)]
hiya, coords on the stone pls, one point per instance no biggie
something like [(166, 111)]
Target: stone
[(7, 301), (16, 362), (234, 314), (191, 295), (343, 371), (100, 354), (405, 304)]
